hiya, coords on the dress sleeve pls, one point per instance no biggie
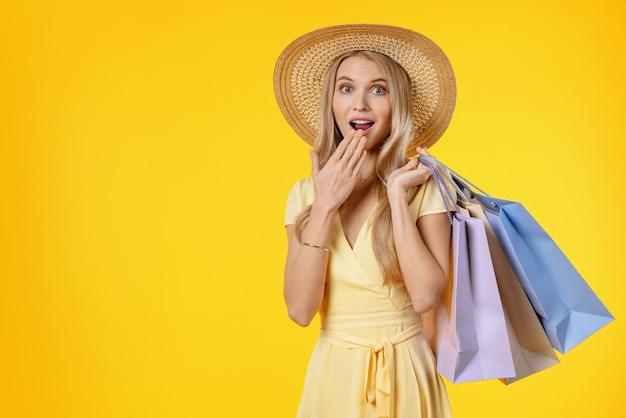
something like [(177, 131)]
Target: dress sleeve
[(428, 200), (299, 197)]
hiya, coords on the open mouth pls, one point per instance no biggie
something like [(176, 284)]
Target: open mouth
[(361, 124)]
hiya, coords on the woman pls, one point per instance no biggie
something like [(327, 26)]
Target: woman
[(368, 236)]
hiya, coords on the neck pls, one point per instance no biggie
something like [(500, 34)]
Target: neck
[(370, 163), (367, 174)]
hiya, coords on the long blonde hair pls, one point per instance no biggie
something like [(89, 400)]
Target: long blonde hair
[(390, 157)]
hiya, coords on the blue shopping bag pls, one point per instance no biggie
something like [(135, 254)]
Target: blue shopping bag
[(568, 309)]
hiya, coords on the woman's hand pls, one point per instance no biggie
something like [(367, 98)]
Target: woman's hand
[(412, 174), (335, 181)]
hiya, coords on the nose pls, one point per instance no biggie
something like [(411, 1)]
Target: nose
[(360, 102)]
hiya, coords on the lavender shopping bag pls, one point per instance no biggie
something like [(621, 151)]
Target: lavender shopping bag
[(569, 310), (471, 340), (531, 348)]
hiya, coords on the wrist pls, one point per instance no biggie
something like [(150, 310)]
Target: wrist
[(396, 193), (323, 209)]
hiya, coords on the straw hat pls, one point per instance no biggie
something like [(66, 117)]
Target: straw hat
[(300, 71)]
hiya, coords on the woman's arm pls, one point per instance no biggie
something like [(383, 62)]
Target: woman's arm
[(423, 254), (305, 268), (422, 247)]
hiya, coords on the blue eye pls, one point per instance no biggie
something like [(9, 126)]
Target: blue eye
[(378, 90), (345, 89)]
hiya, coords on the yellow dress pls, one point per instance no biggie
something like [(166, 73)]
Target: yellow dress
[(371, 358)]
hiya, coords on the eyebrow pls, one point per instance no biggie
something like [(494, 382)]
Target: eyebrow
[(376, 80)]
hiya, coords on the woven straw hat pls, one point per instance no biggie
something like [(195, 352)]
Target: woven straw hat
[(300, 71)]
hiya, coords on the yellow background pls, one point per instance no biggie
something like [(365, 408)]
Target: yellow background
[(144, 168)]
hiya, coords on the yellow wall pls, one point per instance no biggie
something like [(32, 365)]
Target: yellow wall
[(144, 167)]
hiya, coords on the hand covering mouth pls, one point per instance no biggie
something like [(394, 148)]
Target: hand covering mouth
[(363, 124)]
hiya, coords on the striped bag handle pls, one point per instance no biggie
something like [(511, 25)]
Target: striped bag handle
[(460, 183), (443, 190)]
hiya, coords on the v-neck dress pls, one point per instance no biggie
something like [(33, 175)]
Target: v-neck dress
[(371, 358)]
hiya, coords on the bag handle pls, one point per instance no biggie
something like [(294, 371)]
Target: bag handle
[(442, 168), (462, 184), (457, 179), (441, 186)]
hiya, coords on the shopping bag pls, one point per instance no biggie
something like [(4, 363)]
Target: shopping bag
[(569, 310), (531, 348), (471, 340)]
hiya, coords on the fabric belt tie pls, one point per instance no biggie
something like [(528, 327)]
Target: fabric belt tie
[(378, 388)]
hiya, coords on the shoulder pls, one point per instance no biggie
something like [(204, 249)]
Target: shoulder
[(302, 188), (300, 196), (429, 199)]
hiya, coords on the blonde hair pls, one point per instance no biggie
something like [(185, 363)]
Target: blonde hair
[(390, 157)]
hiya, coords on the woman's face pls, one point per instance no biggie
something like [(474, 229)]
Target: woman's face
[(361, 100)]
